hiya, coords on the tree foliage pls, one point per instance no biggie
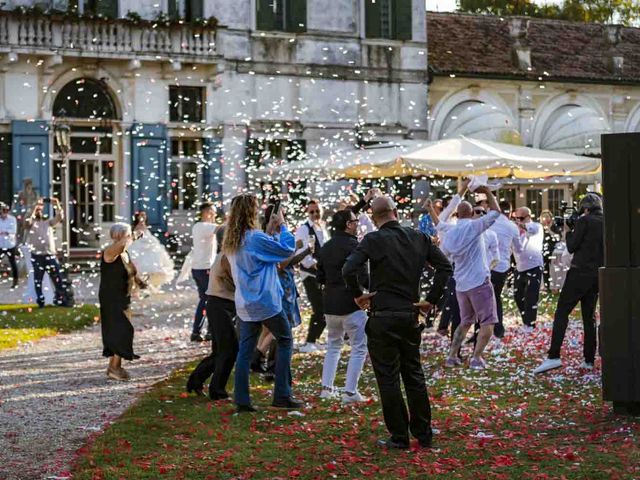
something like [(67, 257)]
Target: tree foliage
[(626, 12)]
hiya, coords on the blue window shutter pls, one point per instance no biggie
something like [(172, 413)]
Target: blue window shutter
[(6, 174), (212, 171), (372, 19), (296, 16), (150, 173), (30, 155)]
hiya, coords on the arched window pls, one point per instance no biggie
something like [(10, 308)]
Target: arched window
[(574, 129), (476, 119), (84, 98)]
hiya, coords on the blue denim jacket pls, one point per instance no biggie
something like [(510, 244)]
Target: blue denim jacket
[(254, 268)]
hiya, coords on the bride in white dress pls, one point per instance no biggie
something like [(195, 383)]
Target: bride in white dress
[(150, 257)]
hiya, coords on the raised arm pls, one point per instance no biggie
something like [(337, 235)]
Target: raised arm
[(59, 214)]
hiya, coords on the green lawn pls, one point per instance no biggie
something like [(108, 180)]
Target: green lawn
[(18, 325), (502, 423)]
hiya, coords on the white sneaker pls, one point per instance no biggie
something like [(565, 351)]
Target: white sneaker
[(355, 398), (327, 394), (320, 347), (308, 348), (548, 364), (586, 366)]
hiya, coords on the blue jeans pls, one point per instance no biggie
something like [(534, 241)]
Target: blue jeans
[(249, 331), (202, 281), (49, 264)]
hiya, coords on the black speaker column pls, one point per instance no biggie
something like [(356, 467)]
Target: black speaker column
[(620, 277)]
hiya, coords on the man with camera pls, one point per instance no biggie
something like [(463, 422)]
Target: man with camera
[(41, 241), (585, 242)]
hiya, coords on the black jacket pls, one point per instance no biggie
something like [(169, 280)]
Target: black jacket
[(338, 299), (397, 256), (586, 242)]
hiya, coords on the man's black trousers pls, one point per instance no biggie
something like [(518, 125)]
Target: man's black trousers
[(224, 347), (394, 348), (498, 280), (580, 287), (317, 322), (527, 293)]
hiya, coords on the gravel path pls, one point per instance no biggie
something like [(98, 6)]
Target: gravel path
[(54, 393)]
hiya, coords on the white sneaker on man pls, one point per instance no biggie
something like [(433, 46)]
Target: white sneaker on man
[(328, 394), (353, 398), (308, 348), (548, 364), (586, 366)]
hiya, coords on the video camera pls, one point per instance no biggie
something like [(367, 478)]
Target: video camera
[(568, 216)]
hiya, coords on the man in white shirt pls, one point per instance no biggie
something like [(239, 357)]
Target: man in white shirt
[(529, 263), (508, 240), (312, 227), (464, 244), (41, 241), (8, 230), (202, 257)]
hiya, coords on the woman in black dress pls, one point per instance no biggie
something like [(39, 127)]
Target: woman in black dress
[(117, 275)]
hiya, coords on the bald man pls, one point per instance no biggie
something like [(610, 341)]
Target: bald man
[(464, 244), (529, 265), (397, 257)]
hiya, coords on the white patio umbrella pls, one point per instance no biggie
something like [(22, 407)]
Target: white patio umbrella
[(451, 157)]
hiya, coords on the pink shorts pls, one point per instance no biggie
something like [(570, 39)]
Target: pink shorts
[(478, 304)]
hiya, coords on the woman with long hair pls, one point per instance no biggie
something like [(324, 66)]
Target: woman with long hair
[(254, 256)]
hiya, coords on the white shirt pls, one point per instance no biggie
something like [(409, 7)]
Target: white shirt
[(493, 252), (508, 239), (365, 225), (531, 240), (302, 233), (204, 245), (446, 222), (464, 244), (8, 229)]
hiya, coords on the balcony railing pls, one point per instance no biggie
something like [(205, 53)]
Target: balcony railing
[(104, 38)]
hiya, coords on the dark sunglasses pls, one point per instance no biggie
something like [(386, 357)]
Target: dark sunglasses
[(521, 218), (479, 212), (352, 221), (314, 211)]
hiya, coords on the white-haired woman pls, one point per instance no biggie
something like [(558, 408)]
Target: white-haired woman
[(117, 275)]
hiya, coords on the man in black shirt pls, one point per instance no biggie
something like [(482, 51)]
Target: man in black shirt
[(397, 256), (586, 242)]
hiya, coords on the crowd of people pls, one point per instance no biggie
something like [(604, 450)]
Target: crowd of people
[(371, 282)]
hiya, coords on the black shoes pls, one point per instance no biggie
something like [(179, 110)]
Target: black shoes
[(207, 337), (218, 395), (390, 443), (246, 409), (425, 442), (192, 387), (195, 337), (289, 403)]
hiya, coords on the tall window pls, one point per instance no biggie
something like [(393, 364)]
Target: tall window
[(186, 104), (534, 201), (281, 15), (186, 166), (188, 10), (388, 19), (556, 197)]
